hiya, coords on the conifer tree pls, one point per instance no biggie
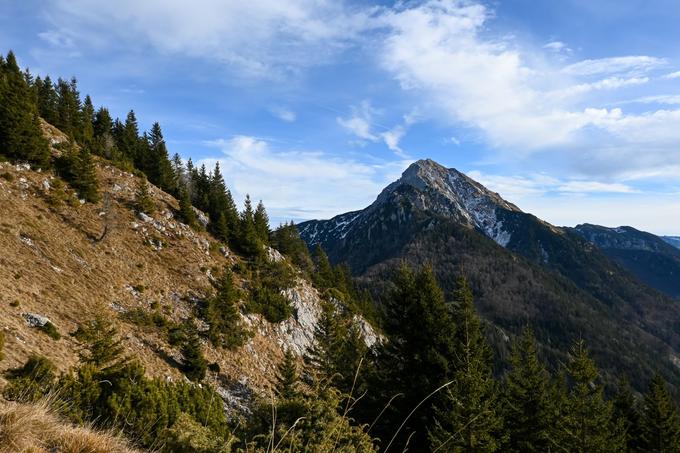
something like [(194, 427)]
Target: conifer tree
[(417, 358), (528, 407), (627, 412), (586, 421), (157, 163), (222, 315), (322, 357), (87, 122), (128, 141), (221, 228), (143, 201), (20, 131), (85, 176), (261, 221), (324, 277), (467, 418), (104, 144), (47, 100), (660, 419), (221, 204), (249, 243), (287, 377), (102, 347), (186, 211), (195, 365)]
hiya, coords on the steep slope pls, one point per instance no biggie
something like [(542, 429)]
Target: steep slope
[(523, 270), (57, 263), (648, 257)]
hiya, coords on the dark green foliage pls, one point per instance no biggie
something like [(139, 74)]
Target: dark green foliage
[(188, 436), (220, 205), (587, 422), (221, 313), (77, 168), (47, 99), (418, 357), (266, 286), (186, 212), (660, 420), (287, 377), (101, 345), (261, 222), (249, 242), (20, 132), (30, 382), (50, 330), (156, 161), (68, 118), (195, 365), (527, 402), (627, 412), (143, 201), (467, 418), (286, 239)]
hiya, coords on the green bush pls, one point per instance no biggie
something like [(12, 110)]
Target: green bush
[(51, 330), (31, 381)]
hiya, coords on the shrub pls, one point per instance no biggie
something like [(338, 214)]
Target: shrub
[(51, 330)]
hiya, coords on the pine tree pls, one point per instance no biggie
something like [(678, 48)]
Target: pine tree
[(102, 347), (287, 377), (85, 181), (221, 204), (660, 419), (467, 418), (128, 141), (222, 315), (143, 201), (324, 277), (527, 403), (186, 211), (195, 365), (87, 115), (416, 359), (587, 423), (221, 228), (322, 357), (157, 163), (627, 412), (20, 131), (47, 101), (261, 221), (249, 243)]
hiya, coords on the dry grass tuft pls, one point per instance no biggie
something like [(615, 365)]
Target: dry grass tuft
[(35, 428)]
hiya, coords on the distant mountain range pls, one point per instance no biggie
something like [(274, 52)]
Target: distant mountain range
[(588, 281), (672, 240)]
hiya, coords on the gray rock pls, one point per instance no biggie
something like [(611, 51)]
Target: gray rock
[(35, 320)]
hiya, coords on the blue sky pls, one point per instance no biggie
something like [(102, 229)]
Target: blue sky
[(570, 108)]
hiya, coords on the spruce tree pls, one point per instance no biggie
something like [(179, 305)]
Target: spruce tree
[(221, 204), (186, 211), (128, 141), (102, 347), (20, 130), (87, 115), (322, 358), (143, 201), (627, 412), (261, 221), (467, 418), (249, 242), (527, 403), (85, 181), (287, 377), (195, 365), (416, 359), (223, 316), (660, 419), (157, 163), (587, 422), (47, 101), (324, 277)]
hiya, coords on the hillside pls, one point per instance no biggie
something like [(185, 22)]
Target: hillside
[(523, 270), (650, 258), (55, 264)]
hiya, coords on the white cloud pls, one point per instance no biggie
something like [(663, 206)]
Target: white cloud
[(283, 114), (261, 38), (557, 46), (672, 75), (360, 122), (299, 184), (613, 65)]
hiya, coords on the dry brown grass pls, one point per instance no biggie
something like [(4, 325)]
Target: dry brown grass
[(35, 428)]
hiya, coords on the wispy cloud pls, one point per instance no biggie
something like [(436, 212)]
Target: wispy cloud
[(300, 184), (283, 114)]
